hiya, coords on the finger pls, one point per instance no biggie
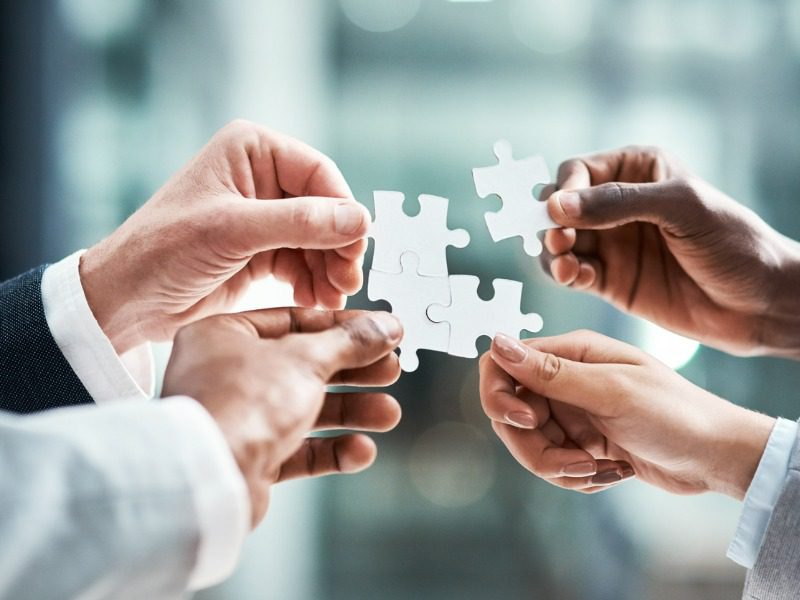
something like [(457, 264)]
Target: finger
[(587, 276), (541, 366), (500, 401), (305, 171), (559, 241), (573, 174), (344, 274), (609, 473), (379, 374), (351, 344), (327, 456), (545, 192), (325, 294), (359, 411), (540, 456), (278, 322), (290, 266), (565, 269), (665, 204), (309, 222), (282, 165), (354, 251)]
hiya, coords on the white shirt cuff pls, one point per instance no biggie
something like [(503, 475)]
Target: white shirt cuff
[(763, 494), (104, 374), (220, 494)]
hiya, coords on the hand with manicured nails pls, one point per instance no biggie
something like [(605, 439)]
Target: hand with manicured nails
[(263, 377), (656, 241), (252, 203), (584, 412)]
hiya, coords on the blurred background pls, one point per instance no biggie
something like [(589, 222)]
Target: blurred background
[(102, 101)]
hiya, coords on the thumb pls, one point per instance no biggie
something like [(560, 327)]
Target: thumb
[(590, 386), (310, 222), (351, 344), (666, 204)]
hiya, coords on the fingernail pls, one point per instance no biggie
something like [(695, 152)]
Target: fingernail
[(580, 469), (521, 419), (570, 203), (388, 325), (347, 218), (509, 348), (627, 471), (607, 477)]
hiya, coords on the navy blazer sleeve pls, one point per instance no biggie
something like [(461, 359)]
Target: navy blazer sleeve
[(34, 375)]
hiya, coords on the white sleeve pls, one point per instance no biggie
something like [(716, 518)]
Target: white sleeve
[(105, 502), (104, 374), (763, 493)]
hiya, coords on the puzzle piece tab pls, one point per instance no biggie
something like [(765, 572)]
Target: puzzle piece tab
[(470, 316), (410, 294), (513, 180), (426, 234)]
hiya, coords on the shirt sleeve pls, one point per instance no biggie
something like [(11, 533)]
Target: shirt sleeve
[(105, 375), (107, 501), (110, 378), (763, 494)]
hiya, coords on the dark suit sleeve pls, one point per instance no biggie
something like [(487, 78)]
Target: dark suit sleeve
[(34, 375)]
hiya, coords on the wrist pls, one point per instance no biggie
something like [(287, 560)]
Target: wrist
[(108, 300), (781, 330), (737, 450)]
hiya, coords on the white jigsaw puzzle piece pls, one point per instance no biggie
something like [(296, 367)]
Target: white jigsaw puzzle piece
[(470, 316), (410, 294), (426, 234), (513, 180)]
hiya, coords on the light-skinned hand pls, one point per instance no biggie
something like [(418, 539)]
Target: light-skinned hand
[(646, 235), (263, 376), (252, 203), (585, 412)]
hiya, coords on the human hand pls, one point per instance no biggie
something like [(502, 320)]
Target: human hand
[(252, 203), (584, 411), (649, 237), (263, 377)]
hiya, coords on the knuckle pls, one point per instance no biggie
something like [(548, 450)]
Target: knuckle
[(239, 125), (361, 334), (548, 367), (303, 215)]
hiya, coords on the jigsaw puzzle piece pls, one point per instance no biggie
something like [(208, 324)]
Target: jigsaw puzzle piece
[(410, 294), (426, 234), (513, 181), (470, 316)]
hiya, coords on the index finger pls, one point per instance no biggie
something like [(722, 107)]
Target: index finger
[(276, 322), (501, 402), (299, 169)]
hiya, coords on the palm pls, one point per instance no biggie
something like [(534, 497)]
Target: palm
[(571, 427)]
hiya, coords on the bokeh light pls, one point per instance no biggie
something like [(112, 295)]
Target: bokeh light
[(551, 27), (672, 349), (380, 15), (452, 465), (99, 21)]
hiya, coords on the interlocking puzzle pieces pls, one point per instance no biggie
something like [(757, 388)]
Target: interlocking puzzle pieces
[(470, 316), (513, 180), (410, 294), (425, 234)]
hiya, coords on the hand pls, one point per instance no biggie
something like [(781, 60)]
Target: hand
[(583, 412), (252, 203), (263, 376), (658, 242)]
